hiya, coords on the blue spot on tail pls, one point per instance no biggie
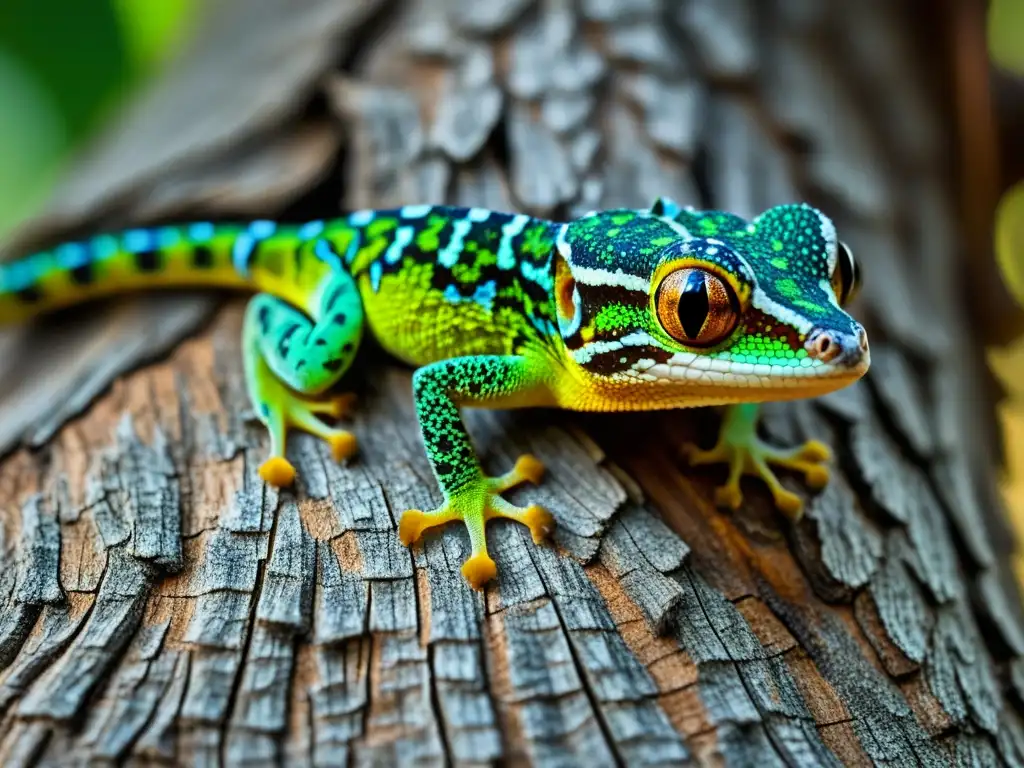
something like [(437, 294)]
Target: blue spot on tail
[(138, 240), (261, 229), (202, 231), (71, 255)]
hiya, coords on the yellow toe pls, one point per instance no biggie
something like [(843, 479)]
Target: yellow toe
[(278, 471), (817, 477), (815, 450), (530, 468), (728, 496), (789, 504), (411, 527), (479, 569), (342, 405), (343, 445), (539, 521)]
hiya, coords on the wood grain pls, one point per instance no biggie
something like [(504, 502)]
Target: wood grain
[(161, 605)]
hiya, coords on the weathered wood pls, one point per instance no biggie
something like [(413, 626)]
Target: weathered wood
[(160, 604)]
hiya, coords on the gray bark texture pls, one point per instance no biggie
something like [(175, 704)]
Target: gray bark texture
[(160, 605)]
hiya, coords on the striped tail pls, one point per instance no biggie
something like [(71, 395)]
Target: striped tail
[(198, 254)]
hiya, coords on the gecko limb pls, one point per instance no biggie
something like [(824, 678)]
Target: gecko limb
[(469, 495)]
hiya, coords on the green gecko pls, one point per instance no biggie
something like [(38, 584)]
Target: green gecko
[(619, 310)]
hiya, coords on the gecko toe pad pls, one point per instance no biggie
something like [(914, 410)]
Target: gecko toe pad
[(343, 445), (277, 471), (479, 569)]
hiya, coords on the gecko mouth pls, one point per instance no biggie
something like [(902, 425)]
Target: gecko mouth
[(703, 371)]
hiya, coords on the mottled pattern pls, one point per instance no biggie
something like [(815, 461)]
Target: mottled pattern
[(438, 388), (498, 310), (778, 268)]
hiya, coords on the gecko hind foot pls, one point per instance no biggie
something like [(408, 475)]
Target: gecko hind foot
[(477, 503), (752, 456), (291, 411)]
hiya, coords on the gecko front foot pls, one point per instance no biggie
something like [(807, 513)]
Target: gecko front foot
[(288, 410), (477, 503), (745, 453)]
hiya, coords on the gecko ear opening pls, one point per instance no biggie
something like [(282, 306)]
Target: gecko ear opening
[(568, 306)]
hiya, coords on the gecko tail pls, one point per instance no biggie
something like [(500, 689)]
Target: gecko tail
[(197, 254)]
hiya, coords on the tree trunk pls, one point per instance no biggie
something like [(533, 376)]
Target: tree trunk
[(160, 604)]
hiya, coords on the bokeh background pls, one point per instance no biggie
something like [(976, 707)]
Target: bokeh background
[(66, 66)]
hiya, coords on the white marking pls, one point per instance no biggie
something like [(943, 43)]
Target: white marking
[(587, 352), (829, 234), (826, 286), (679, 229), (448, 256), (376, 271), (562, 244), (568, 327), (783, 314), (509, 231), (598, 277), (360, 218), (415, 211), (478, 214), (403, 236), (714, 241), (712, 251)]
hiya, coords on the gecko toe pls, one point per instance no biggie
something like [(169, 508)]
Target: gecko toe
[(277, 471)]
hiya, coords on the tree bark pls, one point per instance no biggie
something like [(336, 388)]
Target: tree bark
[(161, 605)]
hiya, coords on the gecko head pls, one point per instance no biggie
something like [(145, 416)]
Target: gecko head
[(674, 307)]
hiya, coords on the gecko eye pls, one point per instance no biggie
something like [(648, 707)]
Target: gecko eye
[(846, 277), (696, 307)]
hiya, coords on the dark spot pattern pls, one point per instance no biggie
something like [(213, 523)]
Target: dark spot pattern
[(202, 257), (82, 274), (148, 261)]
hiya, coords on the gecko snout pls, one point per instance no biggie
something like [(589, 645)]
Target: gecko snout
[(839, 347)]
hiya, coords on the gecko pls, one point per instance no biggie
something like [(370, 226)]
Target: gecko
[(618, 310)]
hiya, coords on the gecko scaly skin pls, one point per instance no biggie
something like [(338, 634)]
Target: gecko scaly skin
[(622, 310)]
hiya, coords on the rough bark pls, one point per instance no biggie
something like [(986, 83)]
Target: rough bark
[(161, 605)]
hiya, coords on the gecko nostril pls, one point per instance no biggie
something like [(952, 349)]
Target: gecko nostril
[(822, 346)]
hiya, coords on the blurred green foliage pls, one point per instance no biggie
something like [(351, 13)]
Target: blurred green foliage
[(1006, 34), (65, 68), (1006, 46)]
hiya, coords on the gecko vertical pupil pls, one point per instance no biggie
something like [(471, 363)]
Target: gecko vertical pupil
[(693, 303), (696, 307)]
